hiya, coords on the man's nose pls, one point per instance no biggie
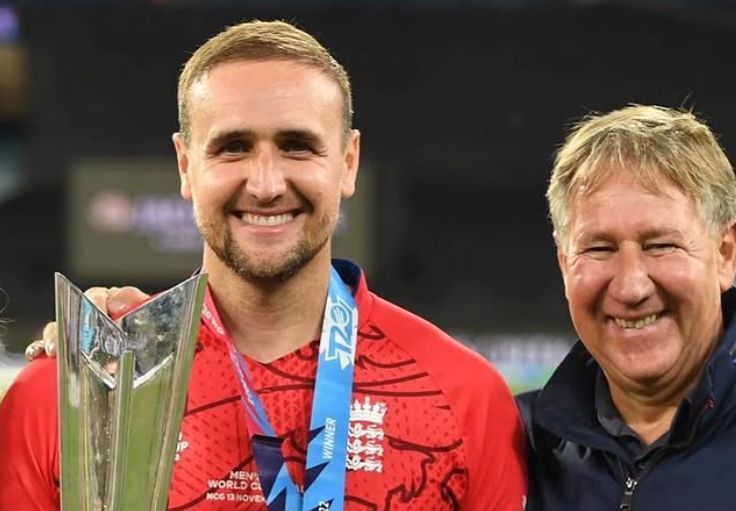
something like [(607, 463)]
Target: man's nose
[(631, 283), (265, 181)]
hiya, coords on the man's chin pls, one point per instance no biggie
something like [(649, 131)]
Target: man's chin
[(273, 268), (276, 264), (265, 272), (649, 376)]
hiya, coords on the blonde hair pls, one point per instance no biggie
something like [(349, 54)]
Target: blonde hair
[(659, 145), (260, 40)]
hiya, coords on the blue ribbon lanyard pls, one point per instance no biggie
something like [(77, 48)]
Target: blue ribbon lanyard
[(328, 426)]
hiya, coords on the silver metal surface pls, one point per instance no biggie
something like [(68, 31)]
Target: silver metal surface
[(122, 394)]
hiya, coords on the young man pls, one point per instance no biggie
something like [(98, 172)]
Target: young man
[(266, 153), (642, 412)]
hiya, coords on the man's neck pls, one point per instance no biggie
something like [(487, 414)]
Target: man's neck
[(650, 408), (269, 319), (650, 415), (649, 423)]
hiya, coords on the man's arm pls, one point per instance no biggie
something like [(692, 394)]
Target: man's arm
[(496, 451), (29, 449)]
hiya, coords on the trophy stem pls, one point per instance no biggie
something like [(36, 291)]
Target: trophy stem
[(121, 431)]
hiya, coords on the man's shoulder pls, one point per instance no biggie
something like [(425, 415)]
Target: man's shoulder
[(34, 388), (433, 348), (527, 398), (31, 400), (525, 403), (395, 318), (37, 376), (413, 331), (29, 472)]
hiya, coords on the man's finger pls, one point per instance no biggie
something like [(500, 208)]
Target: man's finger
[(49, 347), (124, 299), (46, 345), (115, 301), (34, 350), (99, 296), (49, 332)]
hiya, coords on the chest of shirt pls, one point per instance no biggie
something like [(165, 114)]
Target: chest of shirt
[(404, 447)]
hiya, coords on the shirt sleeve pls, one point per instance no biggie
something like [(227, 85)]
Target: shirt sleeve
[(497, 450), (29, 471), (485, 411)]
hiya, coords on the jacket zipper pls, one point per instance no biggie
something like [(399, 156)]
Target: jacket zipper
[(632, 481), (629, 488)]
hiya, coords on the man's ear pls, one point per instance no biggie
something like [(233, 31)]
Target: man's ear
[(562, 262), (727, 257), (351, 160), (182, 161)]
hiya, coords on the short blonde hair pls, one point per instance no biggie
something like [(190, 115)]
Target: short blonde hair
[(260, 40), (659, 145)]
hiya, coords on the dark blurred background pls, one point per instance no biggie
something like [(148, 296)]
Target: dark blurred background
[(461, 105)]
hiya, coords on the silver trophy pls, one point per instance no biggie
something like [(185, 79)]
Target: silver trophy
[(122, 394)]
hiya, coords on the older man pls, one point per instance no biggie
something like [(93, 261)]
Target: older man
[(266, 152), (641, 415)]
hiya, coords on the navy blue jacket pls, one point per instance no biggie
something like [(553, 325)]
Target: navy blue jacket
[(574, 464)]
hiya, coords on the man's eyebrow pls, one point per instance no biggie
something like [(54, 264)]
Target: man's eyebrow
[(306, 136), (594, 237), (664, 233), (646, 234), (303, 135)]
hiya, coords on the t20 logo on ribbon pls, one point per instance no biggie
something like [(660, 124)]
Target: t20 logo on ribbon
[(340, 321)]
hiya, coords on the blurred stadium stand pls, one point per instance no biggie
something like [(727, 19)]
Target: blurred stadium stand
[(461, 104)]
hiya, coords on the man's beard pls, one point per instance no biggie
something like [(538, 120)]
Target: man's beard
[(219, 237)]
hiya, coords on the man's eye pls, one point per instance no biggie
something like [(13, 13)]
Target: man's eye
[(234, 147), (296, 146), (660, 248), (598, 251)]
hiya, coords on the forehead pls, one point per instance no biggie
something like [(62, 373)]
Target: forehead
[(624, 202), (265, 94)]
